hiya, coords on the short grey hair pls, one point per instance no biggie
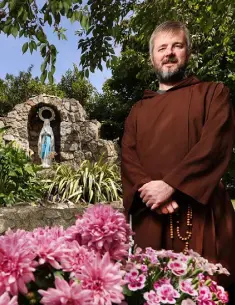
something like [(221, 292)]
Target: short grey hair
[(170, 26)]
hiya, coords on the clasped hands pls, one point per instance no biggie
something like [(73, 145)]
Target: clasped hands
[(157, 195)]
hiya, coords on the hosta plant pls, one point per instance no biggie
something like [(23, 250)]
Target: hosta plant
[(91, 182)]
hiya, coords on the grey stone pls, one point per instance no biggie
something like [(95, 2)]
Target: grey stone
[(79, 138), (66, 156), (3, 225), (8, 138), (52, 214), (67, 105), (2, 124)]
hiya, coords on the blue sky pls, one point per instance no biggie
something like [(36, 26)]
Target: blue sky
[(12, 60)]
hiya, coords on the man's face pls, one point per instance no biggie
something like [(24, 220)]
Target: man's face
[(170, 56)]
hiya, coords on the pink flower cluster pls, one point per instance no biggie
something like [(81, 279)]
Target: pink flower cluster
[(85, 255), (104, 230), (85, 265), (164, 277), (165, 294), (135, 280)]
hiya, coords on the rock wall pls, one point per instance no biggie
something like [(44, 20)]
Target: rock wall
[(29, 217), (78, 138)]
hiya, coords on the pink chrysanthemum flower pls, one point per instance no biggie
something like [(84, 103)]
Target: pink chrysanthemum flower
[(6, 300), (104, 279), (152, 298), (167, 294), (48, 245), (104, 229), (75, 257), (177, 267), (16, 262), (187, 287), (65, 294), (135, 281)]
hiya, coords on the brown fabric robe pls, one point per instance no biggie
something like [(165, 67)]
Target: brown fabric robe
[(185, 138)]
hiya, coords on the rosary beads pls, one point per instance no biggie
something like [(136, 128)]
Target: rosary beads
[(188, 236)]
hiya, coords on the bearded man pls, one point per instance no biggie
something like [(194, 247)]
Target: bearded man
[(176, 147)]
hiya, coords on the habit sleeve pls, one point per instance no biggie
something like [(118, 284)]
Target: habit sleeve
[(133, 175), (202, 168)]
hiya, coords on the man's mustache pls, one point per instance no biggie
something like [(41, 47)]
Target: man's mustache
[(172, 59)]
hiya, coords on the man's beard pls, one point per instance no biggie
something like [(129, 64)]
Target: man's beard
[(171, 76)]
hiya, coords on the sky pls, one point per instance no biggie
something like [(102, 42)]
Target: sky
[(12, 60)]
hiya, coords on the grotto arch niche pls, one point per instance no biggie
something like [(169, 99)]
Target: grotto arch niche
[(35, 125)]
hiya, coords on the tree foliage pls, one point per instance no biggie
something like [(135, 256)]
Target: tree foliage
[(29, 19), (17, 89), (212, 52), (73, 85)]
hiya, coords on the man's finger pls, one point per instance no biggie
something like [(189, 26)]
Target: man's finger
[(149, 203), (142, 187), (170, 208), (155, 205), (175, 205), (164, 210)]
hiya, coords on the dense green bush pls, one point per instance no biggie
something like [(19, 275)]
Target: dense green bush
[(91, 182), (18, 175)]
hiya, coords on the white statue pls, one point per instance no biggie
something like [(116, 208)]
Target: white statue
[(46, 143)]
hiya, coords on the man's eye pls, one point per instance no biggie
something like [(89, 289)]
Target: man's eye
[(161, 49)]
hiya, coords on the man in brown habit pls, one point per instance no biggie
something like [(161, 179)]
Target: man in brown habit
[(176, 147)]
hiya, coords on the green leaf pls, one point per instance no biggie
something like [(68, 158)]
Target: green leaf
[(52, 69), (25, 47), (2, 4), (50, 77), (34, 45), (43, 50), (14, 31), (40, 36), (126, 291), (49, 20), (31, 47), (43, 66), (66, 6), (21, 10), (43, 76), (12, 4), (84, 21), (87, 73)]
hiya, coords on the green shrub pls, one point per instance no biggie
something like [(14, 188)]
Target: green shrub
[(91, 182), (18, 175)]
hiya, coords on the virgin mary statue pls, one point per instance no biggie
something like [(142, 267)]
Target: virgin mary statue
[(46, 144)]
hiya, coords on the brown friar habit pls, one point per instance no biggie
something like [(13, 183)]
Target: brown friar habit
[(185, 138)]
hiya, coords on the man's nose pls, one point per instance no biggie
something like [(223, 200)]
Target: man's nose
[(169, 51)]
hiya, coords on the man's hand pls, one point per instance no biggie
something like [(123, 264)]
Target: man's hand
[(155, 193), (168, 208)]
